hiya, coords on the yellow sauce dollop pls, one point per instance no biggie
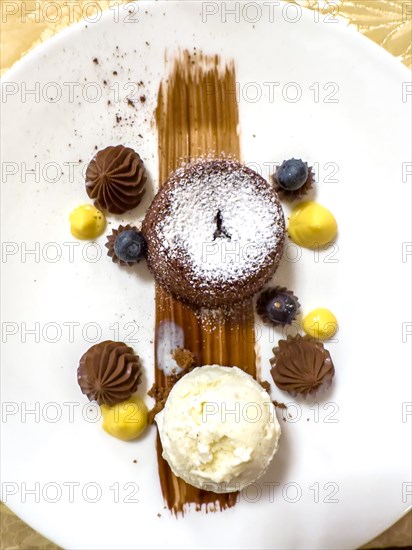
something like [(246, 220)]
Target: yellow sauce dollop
[(312, 225), (87, 222), (320, 324), (126, 420)]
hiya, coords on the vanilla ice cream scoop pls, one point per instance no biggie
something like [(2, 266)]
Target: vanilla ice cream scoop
[(218, 429)]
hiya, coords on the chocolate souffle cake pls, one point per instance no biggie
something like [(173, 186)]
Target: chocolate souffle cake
[(214, 232)]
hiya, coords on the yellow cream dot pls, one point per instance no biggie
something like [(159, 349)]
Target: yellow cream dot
[(320, 324), (126, 420), (87, 222), (312, 225)]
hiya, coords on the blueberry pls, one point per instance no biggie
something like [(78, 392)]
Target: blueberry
[(130, 246), (292, 174), (282, 308)]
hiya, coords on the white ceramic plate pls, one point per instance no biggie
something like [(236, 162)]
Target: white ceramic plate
[(342, 473)]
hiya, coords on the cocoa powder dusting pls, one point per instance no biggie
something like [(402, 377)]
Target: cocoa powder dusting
[(197, 116)]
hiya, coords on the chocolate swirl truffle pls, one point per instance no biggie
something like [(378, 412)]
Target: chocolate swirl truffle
[(109, 373), (115, 179), (301, 366)]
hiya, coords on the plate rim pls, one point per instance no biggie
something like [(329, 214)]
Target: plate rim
[(371, 48)]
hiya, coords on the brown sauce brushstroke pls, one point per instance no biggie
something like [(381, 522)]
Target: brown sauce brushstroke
[(197, 115)]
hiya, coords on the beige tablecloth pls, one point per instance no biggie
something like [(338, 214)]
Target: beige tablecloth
[(387, 22)]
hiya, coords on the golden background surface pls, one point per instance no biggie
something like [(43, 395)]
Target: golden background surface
[(386, 22)]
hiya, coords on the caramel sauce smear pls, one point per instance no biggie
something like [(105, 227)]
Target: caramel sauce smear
[(197, 115)]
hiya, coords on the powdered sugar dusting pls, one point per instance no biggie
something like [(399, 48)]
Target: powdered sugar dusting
[(170, 336)]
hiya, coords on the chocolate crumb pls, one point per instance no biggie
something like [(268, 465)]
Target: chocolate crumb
[(161, 393), (109, 102), (95, 61), (143, 98), (130, 103), (159, 515), (115, 73), (96, 147), (105, 82), (265, 385), (184, 358), (279, 405), (140, 136), (134, 461), (118, 119)]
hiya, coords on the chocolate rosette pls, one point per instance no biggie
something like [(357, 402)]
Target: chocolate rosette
[(111, 240), (302, 366), (109, 372), (285, 194), (115, 179)]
